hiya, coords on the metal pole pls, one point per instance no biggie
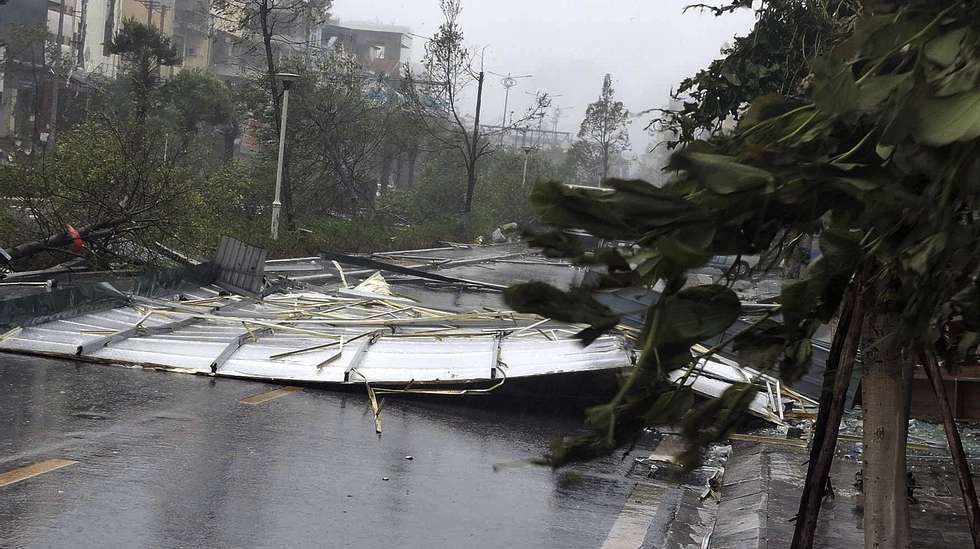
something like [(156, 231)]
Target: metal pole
[(82, 31), (474, 147), (527, 154), (276, 203), (55, 84), (503, 122)]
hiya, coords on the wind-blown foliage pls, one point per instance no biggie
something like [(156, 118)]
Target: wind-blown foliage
[(771, 59), (883, 162)]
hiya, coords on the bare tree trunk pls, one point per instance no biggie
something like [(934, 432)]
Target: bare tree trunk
[(886, 371), (605, 165), (470, 187), (837, 378), (955, 447)]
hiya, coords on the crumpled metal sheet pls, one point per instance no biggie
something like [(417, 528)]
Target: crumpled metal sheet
[(477, 349)]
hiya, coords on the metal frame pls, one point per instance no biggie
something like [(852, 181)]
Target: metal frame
[(136, 331)]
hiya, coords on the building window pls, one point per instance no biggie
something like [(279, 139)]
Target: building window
[(377, 52)]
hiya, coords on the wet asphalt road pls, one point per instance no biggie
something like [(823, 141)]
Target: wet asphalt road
[(171, 460)]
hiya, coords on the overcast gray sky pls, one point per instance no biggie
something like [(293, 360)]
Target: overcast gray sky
[(568, 45)]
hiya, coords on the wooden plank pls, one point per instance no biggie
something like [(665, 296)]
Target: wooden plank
[(33, 470), (270, 395)]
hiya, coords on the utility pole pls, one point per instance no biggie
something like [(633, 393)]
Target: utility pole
[(82, 30), (209, 57), (474, 147), (55, 83)]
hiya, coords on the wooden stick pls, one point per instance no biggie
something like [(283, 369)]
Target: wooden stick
[(955, 447), (836, 379)]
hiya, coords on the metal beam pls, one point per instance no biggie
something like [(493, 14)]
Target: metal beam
[(382, 266), (234, 345), (136, 331), (360, 356)]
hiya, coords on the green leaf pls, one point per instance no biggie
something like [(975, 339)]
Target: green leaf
[(876, 89), (640, 204), (763, 108), (834, 90), (589, 209), (722, 174), (573, 306), (715, 419), (945, 120), (919, 257), (856, 185), (697, 313), (841, 249), (760, 345), (944, 49), (671, 406), (688, 248)]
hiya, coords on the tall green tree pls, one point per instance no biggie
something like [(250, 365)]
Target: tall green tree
[(606, 126), (145, 50), (339, 131)]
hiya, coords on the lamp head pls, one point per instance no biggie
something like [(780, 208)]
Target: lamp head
[(287, 78)]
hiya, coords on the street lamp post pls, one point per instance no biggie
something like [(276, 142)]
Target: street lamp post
[(527, 154), (287, 80), (508, 82)]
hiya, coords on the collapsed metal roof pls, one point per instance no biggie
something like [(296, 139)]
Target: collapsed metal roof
[(436, 324), (340, 333)]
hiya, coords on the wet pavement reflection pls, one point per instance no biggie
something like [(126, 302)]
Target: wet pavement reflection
[(167, 460)]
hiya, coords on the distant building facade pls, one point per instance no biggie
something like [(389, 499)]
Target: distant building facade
[(205, 38), (379, 49), (28, 30)]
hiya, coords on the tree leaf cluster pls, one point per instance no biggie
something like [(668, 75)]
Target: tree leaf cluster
[(882, 163), (771, 59)]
